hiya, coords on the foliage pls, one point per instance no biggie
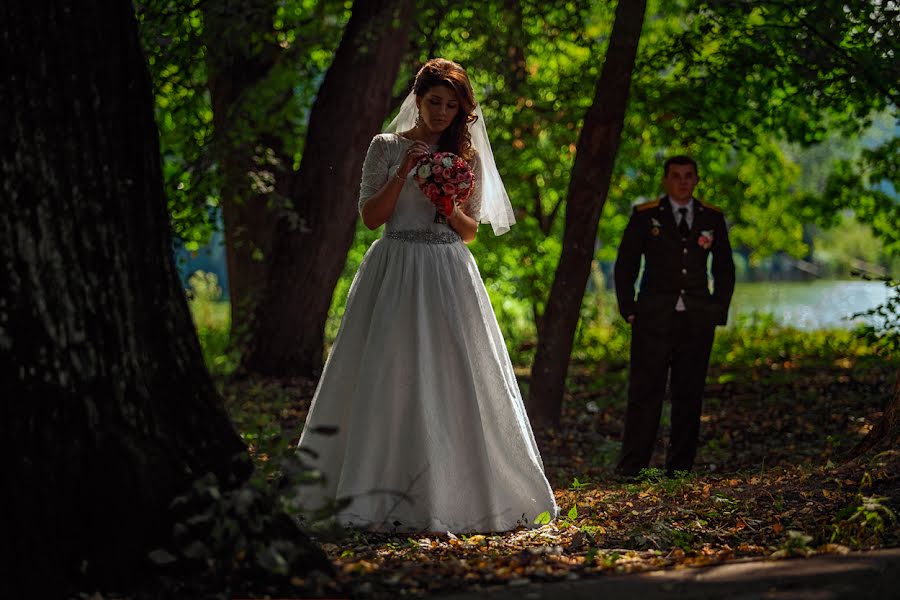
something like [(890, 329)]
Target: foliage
[(796, 543), (774, 82), (241, 541), (171, 34), (863, 522), (534, 73), (757, 339), (851, 246), (884, 334), (174, 36), (787, 62), (755, 74), (868, 186)]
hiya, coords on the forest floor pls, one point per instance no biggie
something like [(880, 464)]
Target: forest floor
[(771, 480)]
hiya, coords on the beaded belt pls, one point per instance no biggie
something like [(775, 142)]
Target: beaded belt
[(424, 236)]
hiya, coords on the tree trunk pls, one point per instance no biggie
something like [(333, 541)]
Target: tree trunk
[(239, 56), (308, 257), (515, 51), (588, 189), (886, 434), (108, 410)]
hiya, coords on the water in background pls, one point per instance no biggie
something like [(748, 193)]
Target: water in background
[(809, 305), (210, 259)]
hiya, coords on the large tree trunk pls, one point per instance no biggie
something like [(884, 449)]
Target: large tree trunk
[(886, 433), (108, 410), (588, 189), (308, 256), (241, 54)]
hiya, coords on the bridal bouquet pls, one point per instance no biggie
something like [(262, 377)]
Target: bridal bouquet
[(446, 179)]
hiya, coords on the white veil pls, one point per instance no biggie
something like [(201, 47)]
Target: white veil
[(495, 206)]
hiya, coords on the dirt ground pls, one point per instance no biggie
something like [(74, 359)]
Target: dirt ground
[(856, 575)]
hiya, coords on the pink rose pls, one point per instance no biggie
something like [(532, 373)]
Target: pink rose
[(445, 178)]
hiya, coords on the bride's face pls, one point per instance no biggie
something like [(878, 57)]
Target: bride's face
[(438, 107)]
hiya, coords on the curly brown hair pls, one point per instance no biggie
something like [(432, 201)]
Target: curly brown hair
[(440, 71)]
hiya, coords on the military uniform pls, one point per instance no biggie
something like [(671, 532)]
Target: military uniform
[(675, 316)]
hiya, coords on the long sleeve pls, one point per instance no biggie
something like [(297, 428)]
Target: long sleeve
[(375, 170), (472, 207), (722, 268), (628, 264)]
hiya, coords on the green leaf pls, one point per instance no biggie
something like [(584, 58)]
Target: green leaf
[(543, 518), (756, 17), (573, 512)]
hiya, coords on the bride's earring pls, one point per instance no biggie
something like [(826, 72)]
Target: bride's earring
[(418, 120)]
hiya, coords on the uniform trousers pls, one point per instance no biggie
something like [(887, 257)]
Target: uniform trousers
[(665, 348)]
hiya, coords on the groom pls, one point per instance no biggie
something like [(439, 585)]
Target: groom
[(674, 316)]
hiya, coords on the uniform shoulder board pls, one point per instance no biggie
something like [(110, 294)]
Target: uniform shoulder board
[(710, 206), (646, 206)]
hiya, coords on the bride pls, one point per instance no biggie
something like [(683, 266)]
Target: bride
[(432, 434)]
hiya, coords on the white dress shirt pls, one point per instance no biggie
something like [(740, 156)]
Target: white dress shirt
[(690, 211)]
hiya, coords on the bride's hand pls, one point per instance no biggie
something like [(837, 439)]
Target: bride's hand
[(445, 207), (455, 210), (415, 151)]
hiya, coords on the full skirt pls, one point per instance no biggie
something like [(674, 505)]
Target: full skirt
[(432, 434)]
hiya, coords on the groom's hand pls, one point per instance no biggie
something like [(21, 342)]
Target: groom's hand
[(630, 319)]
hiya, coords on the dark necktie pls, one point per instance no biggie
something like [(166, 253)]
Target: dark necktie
[(683, 228)]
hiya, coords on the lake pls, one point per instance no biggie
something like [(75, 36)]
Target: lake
[(809, 305)]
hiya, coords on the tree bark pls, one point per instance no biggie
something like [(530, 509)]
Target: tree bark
[(239, 56), (108, 411), (308, 257), (595, 157), (886, 433)]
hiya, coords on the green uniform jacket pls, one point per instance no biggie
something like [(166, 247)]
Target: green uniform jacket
[(674, 267)]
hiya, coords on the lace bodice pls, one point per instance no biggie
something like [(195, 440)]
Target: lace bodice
[(413, 210)]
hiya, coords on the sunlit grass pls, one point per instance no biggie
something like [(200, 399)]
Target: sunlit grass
[(212, 320)]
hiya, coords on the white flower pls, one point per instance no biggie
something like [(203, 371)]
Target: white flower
[(447, 161), (424, 171)]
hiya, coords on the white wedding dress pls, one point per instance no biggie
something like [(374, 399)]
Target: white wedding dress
[(432, 434)]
